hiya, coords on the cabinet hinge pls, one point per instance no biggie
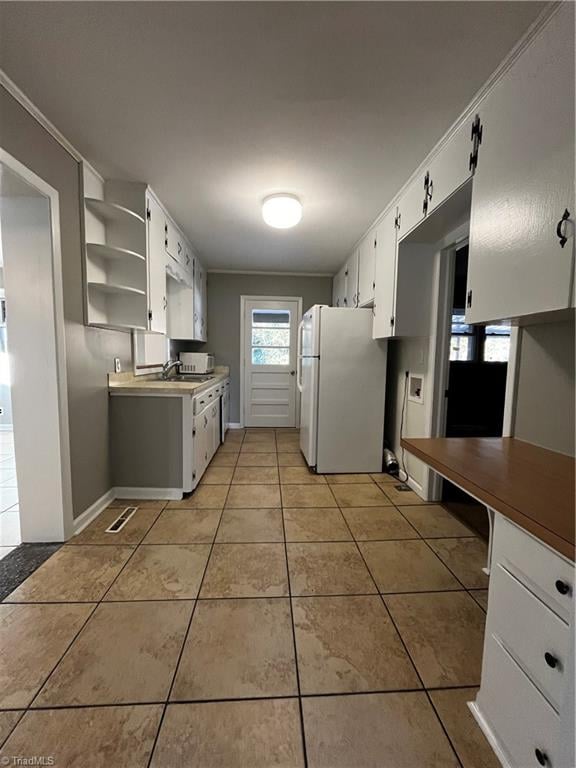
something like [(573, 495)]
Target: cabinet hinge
[(346, 273), (476, 138), (397, 220), (375, 242), (373, 285), (392, 321), (148, 214), (149, 314), (193, 475), (469, 298), (193, 433)]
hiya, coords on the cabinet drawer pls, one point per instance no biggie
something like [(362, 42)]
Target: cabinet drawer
[(531, 633), (517, 713), (545, 573)]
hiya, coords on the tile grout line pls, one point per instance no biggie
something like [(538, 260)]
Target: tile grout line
[(300, 707), (186, 634), (95, 605), (406, 650)]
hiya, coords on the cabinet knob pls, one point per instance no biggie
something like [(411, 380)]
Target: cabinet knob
[(541, 756), (551, 660), (562, 587)]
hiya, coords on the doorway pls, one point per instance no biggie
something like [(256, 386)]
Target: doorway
[(475, 390), (269, 332), (32, 282)]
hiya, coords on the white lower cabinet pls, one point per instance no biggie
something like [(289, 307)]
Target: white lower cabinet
[(206, 434), (525, 704), (519, 262)]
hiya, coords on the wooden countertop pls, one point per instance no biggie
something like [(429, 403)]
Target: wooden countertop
[(532, 486)]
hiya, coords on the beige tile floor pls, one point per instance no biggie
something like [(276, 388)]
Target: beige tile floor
[(273, 618)]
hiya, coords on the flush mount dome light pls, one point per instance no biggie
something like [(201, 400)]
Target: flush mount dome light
[(282, 211)]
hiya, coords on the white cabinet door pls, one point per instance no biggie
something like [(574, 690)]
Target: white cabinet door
[(339, 288), (156, 267), (385, 277), (524, 182), (411, 207), (366, 260), (451, 167), (200, 302), (351, 296)]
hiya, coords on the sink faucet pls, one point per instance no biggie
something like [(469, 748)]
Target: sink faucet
[(168, 366)]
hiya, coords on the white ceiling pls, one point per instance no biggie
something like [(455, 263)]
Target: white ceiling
[(217, 105)]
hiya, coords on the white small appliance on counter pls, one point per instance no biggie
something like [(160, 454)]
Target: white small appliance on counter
[(196, 362), (342, 380)]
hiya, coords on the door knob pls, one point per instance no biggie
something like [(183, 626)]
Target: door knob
[(292, 373)]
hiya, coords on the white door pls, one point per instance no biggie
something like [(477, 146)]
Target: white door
[(156, 267), (519, 263), (351, 298), (269, 361)]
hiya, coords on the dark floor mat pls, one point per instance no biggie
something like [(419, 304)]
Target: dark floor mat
[(20, 563)]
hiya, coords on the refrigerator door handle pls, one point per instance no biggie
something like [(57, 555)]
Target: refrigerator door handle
[(299, 358)]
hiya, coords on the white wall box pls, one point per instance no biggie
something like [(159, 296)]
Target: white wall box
[(366, 268), (518, 263)]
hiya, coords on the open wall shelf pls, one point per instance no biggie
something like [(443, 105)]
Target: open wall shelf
[(103, 251), (111, 212)]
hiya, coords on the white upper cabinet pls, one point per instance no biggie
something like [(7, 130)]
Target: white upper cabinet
[(156, 266), (411, 206), (519, 262), (351, 273), (339, 288), (200, 291), (385, 277), (452, 166), (366, 252)]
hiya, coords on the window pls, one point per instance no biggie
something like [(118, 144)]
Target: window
[(496, 344), (270, 337), (462, 340)]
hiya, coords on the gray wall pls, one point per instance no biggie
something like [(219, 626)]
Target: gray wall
[(545, 402), (224, 291), (89, 351)]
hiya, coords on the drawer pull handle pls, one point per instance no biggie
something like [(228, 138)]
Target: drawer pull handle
[(542, 757), (562, 587), (551, 660)]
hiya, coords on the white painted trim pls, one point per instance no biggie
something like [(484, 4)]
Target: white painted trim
[(243, 300), (267, 272), (544, 17), (416, 487), (172, 494), (512, 382), (489, 733), (234, 425), (58, 366), (40, 117), (6, 427), (93, 511)]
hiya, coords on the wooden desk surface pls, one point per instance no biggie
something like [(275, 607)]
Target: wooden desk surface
[(532, 486)]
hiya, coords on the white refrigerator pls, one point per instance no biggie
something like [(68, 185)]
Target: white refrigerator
[(342, 381)]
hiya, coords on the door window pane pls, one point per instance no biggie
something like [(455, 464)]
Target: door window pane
[(270, 337), (460, 348), (497, 344), (270, 355)]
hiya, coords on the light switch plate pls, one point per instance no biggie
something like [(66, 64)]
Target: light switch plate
[(117, 366)]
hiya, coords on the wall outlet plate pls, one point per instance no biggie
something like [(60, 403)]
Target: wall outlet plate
[(416, 388), (117, 366)]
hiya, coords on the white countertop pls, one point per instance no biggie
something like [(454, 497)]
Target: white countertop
[(124, 383)]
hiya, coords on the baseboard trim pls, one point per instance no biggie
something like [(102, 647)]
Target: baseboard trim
[(173, 494), (490, 737), (93, 511), (234, 425), (416, 487)]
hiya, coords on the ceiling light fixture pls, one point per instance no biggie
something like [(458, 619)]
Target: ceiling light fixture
[(282, 211)]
